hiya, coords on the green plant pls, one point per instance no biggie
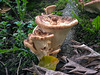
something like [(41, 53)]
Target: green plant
[(94, 27), (31, 25), (19, 35), (7, 17), (89, 31), (11, 6), (21, 8), (58, 13), (25, 53), (3, 29), (96, 24)]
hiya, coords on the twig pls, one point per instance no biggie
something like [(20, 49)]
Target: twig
[(93, 54), (19, 66), (36, 69), (5, 67), (78, 43), (45, 71), (83, 46)]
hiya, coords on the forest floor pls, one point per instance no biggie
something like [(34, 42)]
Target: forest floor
[(15, 25)]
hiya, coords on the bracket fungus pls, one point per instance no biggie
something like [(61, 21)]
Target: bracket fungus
[(49, 34), (39, 42), (57, 25), (48, 10), (93, 6)]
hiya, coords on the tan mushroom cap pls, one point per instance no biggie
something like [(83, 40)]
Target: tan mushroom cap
[(4, 9), (27, 44), (93, 6), (38, 34), (55, 22), (49, 9), (41, 35)]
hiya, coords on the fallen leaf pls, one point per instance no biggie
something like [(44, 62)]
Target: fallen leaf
[(49, 62)]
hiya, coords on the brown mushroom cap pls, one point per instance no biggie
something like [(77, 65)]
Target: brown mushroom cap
[(49, 9), (93, 6), (4, 9), (55, 22), (39, 42), (38, 34)]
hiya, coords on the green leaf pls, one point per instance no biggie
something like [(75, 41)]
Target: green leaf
[(49, 62), (9, 50), (96, 23), (18, 23), (70, 3), (75, 16)]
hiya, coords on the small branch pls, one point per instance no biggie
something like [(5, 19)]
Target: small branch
[(37, 72), (5, 67), (93, 54), (45, 71), (19, 66), (78, 43), (83, 46)]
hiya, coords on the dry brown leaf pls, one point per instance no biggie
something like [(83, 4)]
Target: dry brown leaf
[(77, 68)]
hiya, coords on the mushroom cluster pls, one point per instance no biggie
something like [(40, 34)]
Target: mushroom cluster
[(49, 34), (93, 6)]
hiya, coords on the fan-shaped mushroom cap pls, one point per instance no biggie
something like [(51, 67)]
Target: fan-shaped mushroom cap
[(93, 6), (55, 22), (49, 9), (57, 25), (39, 42)]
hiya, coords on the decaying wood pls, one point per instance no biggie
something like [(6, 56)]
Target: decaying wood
[(96, 64), (93, 54), (37, 72), (44, 71), (76, 68)]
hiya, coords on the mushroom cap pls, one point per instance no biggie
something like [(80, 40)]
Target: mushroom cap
[(49, 9), (4, 9), (93, 6), (38, 34), (55, 22)]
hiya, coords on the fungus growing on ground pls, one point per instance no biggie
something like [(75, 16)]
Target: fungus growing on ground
[(39, 42), (57, 25), (49, 34), (93, 6), (48, 10)]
